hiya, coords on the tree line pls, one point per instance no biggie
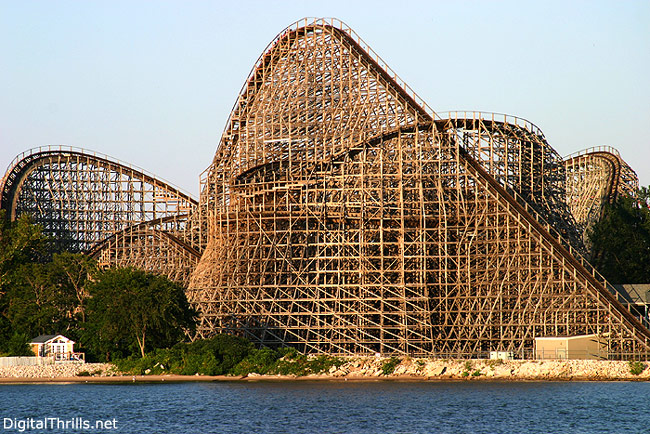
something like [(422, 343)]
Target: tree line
[(112, 313)]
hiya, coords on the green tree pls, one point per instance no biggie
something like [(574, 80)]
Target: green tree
[(34, 306), (621, 240), (18, 345), (21, 243), (130, 310), (72, 272), (48, 298)]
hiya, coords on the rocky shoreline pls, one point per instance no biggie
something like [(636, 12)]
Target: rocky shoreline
[(368, 368), (454, 369)]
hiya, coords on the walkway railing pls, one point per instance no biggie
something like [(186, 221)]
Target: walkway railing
[(494, 117), (601, 148)]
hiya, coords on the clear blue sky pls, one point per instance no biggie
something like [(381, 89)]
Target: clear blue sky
[(153, 82)]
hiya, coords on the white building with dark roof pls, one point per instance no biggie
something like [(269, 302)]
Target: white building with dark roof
[(58, 347)]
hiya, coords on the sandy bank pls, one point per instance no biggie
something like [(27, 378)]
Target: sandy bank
[(359, 369)]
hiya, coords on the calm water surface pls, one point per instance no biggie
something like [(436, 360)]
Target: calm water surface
[(347, 407)]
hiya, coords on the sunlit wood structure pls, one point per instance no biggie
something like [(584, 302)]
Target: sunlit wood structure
[(88, 202), (342, 215), (594, 177), (345, 216)]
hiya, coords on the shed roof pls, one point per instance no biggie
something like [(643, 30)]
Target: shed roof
[(593, 336)]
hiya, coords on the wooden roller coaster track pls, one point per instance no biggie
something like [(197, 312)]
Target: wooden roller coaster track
[(342, 215)]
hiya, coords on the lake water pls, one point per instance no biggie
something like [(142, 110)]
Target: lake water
[(334, 407)]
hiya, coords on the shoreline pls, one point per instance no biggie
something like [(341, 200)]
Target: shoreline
[(161, 379), (356, 369)]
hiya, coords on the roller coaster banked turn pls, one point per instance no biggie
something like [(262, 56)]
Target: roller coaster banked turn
[(342, 215)]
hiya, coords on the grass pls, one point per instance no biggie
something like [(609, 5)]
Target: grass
[(494, 363), (468, 368)]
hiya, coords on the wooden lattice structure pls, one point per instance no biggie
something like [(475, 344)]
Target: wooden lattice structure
[(594, 177), (342, 215), (150, 246), (516, 155), (88, 202)]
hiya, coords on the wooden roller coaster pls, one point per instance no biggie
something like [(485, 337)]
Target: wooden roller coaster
[(342, 215)]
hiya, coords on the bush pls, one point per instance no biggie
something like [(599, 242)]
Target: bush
[(323, 363), (389, 366), (215, 356), (262, 361), (468, 367), (494, 363), (636, 367), (225, 355)]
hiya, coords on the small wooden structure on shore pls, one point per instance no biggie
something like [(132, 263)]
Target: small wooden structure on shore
[(57, 347)]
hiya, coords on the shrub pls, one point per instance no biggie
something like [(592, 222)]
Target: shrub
[(18, 345), (468, 367), (225, 355), (262, 361), (389, 366), (494, 363), (636, 367), (324, 363)]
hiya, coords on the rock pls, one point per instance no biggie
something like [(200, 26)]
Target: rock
[(437, 371)]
